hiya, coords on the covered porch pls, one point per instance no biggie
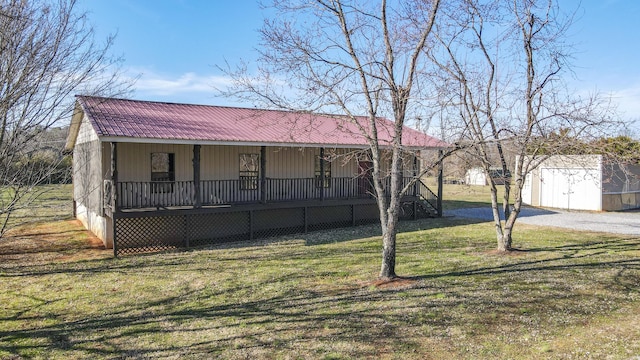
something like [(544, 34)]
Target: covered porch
[(255, 187), (164, 214)]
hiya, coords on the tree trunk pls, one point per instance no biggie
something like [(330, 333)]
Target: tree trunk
[(390, 225), (388, 268), (505, 241), (495, 210)]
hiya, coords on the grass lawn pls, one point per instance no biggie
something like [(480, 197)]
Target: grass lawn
[(567, 295), (53, 203), (461, 196)]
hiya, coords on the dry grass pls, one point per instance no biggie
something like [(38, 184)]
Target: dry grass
[(45, 242), (460, 196), (564, 295)]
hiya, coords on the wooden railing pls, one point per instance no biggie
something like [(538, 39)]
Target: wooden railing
[(427, 195), (137, 195)]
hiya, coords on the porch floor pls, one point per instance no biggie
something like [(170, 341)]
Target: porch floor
[(257, 206)]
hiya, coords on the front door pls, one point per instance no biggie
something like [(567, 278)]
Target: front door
[(365, 178)]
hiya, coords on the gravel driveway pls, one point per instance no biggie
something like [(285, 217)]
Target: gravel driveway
[(612, 222)]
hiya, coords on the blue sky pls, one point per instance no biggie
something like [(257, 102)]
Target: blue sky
[(175, 44)]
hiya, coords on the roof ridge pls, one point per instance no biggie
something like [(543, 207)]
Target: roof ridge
[(227, 107)]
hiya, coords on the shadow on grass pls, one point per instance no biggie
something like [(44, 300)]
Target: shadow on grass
[(202, 322), (460, 204), (346, 234), (229, 321), (538, 265)]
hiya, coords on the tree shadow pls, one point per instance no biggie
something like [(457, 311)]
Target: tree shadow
[(201, 321)]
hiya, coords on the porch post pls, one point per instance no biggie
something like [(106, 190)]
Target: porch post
[(416, 172), (321, 174), (196, 176), (263, 174), (114, 194), (114, 177), (440, 181)]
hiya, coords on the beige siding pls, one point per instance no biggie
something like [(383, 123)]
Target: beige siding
[(290, 163), (408, 164), (222, 162), (535, 187), (86, 133), (620, 201), (134, 161), (346, 165), (87, 176)]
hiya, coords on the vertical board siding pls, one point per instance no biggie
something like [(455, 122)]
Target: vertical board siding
[(134, 161), (87, 176), (340, 168), (290, 163), (86, 133), (220, 162)]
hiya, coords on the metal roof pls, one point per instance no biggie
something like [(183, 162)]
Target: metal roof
[(147, 121)]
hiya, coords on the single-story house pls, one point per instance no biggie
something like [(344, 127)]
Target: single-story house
[(153, 175), (583, 182)]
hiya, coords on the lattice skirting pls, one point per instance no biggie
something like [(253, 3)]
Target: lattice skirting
[(154, 231)]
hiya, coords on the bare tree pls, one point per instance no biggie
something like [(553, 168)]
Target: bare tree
[(502, 64), (47, 54), (353, 58)]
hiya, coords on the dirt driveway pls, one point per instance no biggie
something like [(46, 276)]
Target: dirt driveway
[(611, 222)]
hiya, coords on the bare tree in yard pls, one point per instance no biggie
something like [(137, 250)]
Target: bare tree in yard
[(47, 54), (354, 58), (501, 65)]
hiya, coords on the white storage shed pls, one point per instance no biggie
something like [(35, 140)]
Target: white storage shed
[(583, 182)]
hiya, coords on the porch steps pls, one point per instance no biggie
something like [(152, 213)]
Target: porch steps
[(423, 209)]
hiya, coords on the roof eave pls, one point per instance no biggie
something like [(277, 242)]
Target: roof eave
[(74, 127), (125, 139)]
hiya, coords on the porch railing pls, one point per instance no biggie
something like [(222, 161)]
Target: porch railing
[(138, 195)]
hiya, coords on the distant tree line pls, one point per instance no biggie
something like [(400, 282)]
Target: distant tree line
[(48, 54), (622, 148), (42, 160)]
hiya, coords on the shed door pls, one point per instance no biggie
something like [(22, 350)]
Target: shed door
[(575, 189), (526, 190)]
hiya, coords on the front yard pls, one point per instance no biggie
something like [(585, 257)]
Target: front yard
[(564, 295)]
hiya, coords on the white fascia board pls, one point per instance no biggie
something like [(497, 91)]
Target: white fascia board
[(239, 143)]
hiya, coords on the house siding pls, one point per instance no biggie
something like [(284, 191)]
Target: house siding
[(134, 161), (88, 176), (221, 162), (289, 163), (86, 133)]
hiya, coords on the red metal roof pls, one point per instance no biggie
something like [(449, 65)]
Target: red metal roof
[(134, 119)]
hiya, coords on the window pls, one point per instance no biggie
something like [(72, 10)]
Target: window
[(162, 172), (249, 171), (327, 172)]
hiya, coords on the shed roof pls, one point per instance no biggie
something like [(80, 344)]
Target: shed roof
[(147, 121)]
